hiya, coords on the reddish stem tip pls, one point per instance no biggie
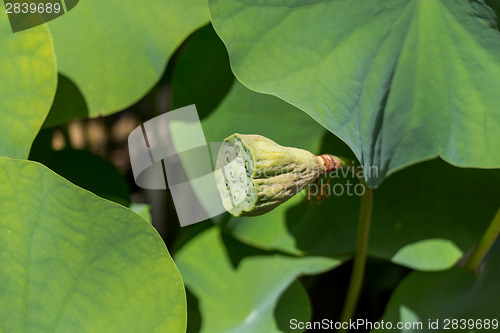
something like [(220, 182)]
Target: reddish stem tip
[(331, 163)]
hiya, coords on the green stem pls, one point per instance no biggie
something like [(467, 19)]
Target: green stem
[(359, 262), (485, 244)]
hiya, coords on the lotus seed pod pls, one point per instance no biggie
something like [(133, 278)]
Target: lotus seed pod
[(258, 174)]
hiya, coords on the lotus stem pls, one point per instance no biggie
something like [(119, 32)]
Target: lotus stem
[(484, 245)]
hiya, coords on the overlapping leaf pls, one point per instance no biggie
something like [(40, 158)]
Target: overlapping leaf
[(69, 104), (455, 294), (72, 261), (398, 81), (115, 51), (28, 79), (238, 288)]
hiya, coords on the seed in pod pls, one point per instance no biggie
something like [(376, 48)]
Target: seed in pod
[(258, 174)]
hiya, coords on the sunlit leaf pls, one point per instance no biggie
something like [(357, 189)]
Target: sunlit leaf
[(73, 262), (115, 51), (28, 80), (238, 288)]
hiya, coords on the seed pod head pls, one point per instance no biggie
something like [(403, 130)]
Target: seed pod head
[(255, 174)]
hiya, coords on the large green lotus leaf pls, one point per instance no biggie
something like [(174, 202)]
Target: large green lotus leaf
[(238, 287), (116, 50), (28, 80), (73, 262), (424, 217), (247, 112), (400, 81), (453, 294), (202, 75)]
